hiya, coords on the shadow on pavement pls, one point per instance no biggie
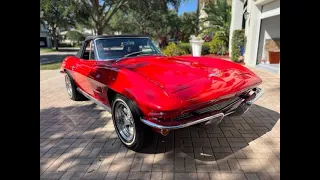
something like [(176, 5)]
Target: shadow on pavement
[(82, 139)]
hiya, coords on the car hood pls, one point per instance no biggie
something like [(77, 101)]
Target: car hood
[(187, 77)]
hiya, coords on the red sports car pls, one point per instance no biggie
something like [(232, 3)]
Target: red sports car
[(143, 89)]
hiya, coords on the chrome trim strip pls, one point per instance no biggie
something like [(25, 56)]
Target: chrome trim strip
[(232, 104), (94, 100), (117, 37), (154, 125), (228, 113), (259, 92)]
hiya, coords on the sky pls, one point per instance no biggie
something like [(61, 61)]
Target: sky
[(188, 6)]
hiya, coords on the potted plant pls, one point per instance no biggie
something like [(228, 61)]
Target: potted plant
[(196, 44)]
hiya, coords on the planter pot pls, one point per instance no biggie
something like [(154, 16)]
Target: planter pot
[(196, 47)]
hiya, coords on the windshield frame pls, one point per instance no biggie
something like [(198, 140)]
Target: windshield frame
[(151, 44)]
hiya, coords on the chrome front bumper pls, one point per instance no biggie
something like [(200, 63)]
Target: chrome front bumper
[(216, 118)]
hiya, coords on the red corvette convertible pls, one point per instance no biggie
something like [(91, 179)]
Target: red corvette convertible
[(143, 89)]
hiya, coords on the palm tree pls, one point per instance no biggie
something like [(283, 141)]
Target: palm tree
[(198, 14), (188, 25), (219, 17)]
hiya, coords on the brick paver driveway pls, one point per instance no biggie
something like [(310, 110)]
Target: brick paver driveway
[(78, 141)]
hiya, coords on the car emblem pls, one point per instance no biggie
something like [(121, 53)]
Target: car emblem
[(215, 74), (212, 74)]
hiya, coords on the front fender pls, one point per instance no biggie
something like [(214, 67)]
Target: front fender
[(144, 93)]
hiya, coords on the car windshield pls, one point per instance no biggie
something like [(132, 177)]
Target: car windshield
[(117, 48)]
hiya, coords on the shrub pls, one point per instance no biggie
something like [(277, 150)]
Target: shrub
[(205, 48), (188, 49), (236, 43), (65, 45), (218, 45), (173, 50)]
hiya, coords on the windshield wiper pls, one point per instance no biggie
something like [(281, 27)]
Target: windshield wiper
[(138, 52), (128, 55)]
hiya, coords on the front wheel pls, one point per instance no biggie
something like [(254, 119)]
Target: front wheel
[(72, 88), (127, 123)]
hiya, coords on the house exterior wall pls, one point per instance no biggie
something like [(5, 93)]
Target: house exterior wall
[(253, 31), (262, 23), (270, 29), (44, 33)]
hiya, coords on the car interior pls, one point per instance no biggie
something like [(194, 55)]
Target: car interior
[(86, 55), (112, 51)]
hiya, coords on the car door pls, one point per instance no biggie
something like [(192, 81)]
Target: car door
[(83, 68), (102, 74)]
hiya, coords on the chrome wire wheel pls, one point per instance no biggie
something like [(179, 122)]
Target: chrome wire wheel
[(68, 85), (124, 122)]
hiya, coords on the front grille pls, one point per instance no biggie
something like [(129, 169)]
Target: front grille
[(214, 107), (218, 106)]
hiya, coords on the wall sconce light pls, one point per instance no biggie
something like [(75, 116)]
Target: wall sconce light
[(246, 15)]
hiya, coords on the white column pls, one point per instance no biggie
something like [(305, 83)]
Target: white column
[(251, 51), (236, 18)]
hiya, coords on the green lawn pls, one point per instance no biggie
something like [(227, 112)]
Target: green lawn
[(47, 50), (51, 66)]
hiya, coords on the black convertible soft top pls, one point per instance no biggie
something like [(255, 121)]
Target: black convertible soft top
[(111, 36)]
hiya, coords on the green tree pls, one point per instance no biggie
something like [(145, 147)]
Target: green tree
[(75, 36), (100, 12), (125, 22), (188, 25), (172, 24), (57, 14)]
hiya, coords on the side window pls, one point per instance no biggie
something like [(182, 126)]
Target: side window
[(86, 53)]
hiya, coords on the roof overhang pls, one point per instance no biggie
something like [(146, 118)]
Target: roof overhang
[(271, 13), (262, 2)]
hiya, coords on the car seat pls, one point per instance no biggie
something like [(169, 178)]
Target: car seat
[(131, 49)]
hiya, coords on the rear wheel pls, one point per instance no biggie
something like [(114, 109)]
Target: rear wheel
[(126, 119), (72, 88)]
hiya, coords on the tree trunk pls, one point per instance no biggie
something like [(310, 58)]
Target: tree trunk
[(100, 30), (198, 14), (55, 40)]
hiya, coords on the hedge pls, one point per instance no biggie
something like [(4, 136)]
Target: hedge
[(218, 46), (219, 43), (173, 50), (187, 48), (236, 44)]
